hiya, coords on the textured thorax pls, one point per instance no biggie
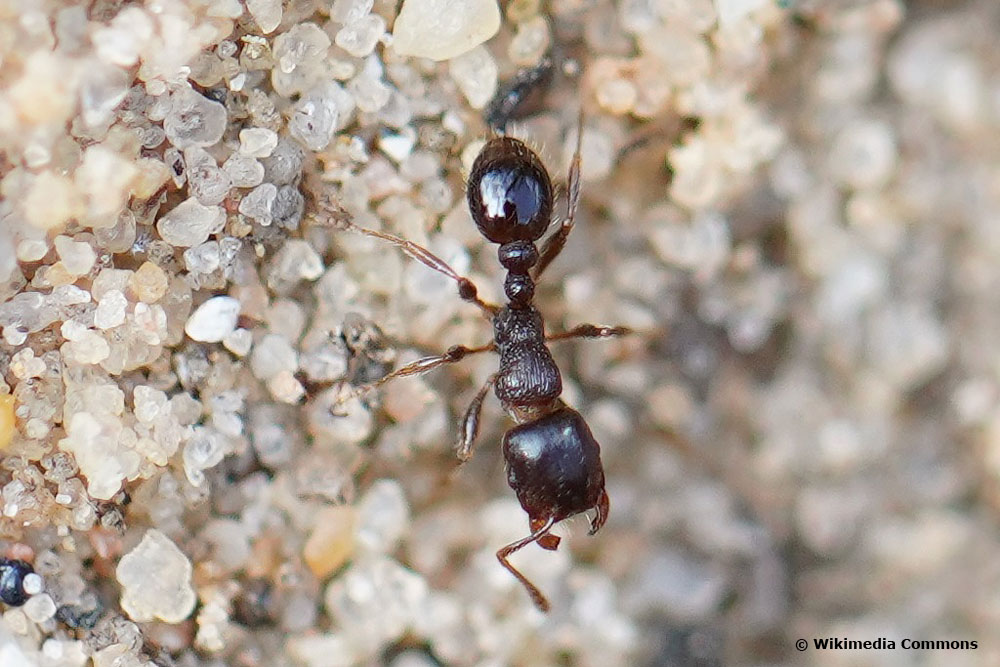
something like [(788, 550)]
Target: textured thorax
[(529, 375)]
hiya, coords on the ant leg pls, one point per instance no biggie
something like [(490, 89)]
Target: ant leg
[(602, 508), (419, 367), (590, 331), (547, 541), (466, 288), (502, 554), (470, 422), (554, 244)]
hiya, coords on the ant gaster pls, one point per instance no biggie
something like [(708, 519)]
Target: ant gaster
[(553, 461)]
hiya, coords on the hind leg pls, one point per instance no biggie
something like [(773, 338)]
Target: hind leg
[(536, 595)]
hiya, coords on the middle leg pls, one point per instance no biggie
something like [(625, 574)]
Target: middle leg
[(454, 354), (589, 331)]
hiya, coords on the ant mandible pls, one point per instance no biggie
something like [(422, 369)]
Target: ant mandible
[(553, 461)]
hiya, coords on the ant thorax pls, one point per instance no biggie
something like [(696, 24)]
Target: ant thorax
[(528, 375)]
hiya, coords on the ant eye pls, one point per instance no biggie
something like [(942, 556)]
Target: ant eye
[(509, 192)]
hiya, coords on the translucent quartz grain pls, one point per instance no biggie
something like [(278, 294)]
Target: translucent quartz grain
[(103, 88), (684, 57), (244, 171), (24, 364), (287, 318), (360, 37), (151, 174), (258, 204), (299, 56), (8, 424), (320, 650), (193, 119), (294, 262), (229, 539), (71, 29), (206, 180), (348, 11), (76, 256), (617, 95), (149, 403), (267, 14), (52, 200), (288, 208), (83, 345), (156, 580), (257, 141), (530, 42), (103, 178), (203, 258), (121, 42), (284, 164), (443, 29), (206, 69), (335, 417), (149, 283), (38, 94), (213, 320), (397, 146), (332, 540), (326, 361), (31, 250), (40, 608), (238, 342), (476, 74), (271, 355), (94, 440), (62, 652), (190, 223), (204, 449), (369, 91), (110, 310)]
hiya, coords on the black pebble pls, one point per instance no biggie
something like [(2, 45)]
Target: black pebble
[(12, 574)]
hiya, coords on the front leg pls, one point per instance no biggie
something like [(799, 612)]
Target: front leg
[(467, 289), (554, 244)]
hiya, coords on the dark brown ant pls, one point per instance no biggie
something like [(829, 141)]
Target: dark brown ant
[(553, 461)]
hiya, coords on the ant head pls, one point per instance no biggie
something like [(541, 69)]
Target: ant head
[(509, 192)]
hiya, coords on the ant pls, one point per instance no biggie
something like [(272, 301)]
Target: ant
[(552, 459)]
